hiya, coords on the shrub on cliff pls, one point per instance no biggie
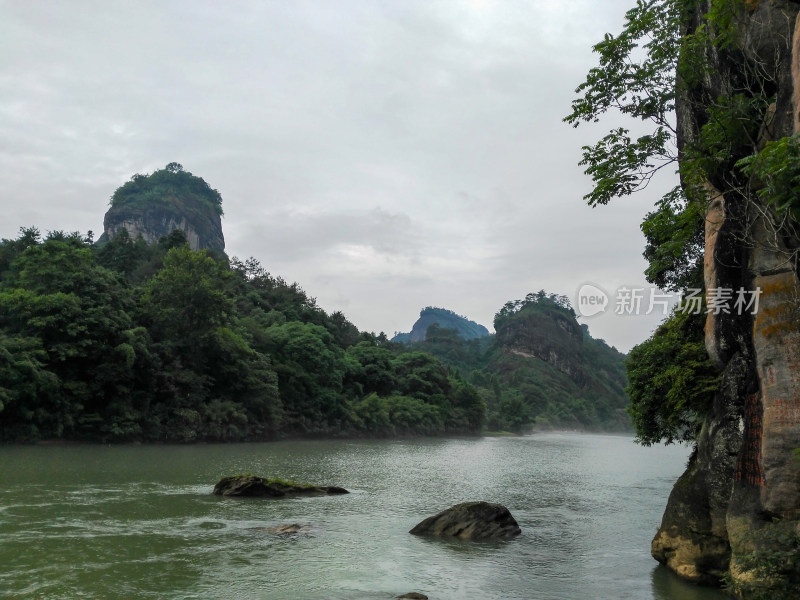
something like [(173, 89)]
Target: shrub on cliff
[(164, 186), (671, 381), (773, 564)]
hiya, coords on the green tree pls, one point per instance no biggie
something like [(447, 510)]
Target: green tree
[(245, 398), (640, 73), (32, 404), (672, 381), (188, 298), (636, 76), (123, 254), (10, 249), (420, 375), (370, 370), (773, 561), (467, 409), (311, 370), (79, 312)]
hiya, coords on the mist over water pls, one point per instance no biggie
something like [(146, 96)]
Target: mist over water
[(140, 521)]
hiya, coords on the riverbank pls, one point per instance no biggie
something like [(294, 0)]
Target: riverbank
[(59, 442)]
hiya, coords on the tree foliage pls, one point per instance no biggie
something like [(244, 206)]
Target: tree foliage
[(163, 186), (635, 77), (777, 169), (137, 341), (772, 563), (671, 381), (640, 74)]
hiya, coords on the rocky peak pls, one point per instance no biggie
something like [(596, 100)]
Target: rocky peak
[(544, 328), (446, 319), (152, 206)]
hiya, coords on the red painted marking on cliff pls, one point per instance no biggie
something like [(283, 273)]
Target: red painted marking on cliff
[(748, 468), (792, 352), (785, 410)]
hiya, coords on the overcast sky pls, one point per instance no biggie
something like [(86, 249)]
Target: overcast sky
[(386, 155)]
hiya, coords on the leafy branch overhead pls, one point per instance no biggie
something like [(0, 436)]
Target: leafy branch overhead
[(642, 73), (635, 77), (657, 65)]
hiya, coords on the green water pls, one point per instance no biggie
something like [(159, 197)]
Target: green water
[(140, 522)]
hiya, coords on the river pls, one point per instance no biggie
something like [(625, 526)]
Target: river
[(140, 521)]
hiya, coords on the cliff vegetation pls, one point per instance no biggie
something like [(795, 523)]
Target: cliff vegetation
[(716, 85)]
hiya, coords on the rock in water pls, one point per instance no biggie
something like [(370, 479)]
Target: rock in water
[(414, 596), (471, 521), (294, 528), (250, 485)]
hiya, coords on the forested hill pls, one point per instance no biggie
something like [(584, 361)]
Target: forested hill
[(541, 368), (466, 329), (130, 340)]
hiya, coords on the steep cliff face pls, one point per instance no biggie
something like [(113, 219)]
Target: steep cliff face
[(552, 336), (744, 473), (152, 223), (152, 206), (542, 351)]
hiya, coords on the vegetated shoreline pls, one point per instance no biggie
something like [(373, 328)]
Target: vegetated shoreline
[(62, 442)]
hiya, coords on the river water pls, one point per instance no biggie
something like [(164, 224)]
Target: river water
[(140, 521)]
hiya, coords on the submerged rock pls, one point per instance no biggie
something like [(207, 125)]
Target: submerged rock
[(471, 521), (414, 596), (294, 528), (253, 486)]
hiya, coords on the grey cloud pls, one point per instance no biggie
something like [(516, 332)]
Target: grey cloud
[(291, 236)]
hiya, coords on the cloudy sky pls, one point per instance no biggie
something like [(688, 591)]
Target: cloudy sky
[(386, 155)]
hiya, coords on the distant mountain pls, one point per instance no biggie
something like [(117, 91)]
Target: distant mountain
[(550, 362), (540, 369), (446, 319)]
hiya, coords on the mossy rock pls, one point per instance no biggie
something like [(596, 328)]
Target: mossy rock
[(260, 487)]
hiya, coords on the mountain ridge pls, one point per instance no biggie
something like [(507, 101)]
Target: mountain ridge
[(541, 369), (445, 318)]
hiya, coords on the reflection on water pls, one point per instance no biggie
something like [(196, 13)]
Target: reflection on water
[(140, 522)]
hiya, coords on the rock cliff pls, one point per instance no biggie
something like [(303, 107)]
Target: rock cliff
[(152, 206), (743, 474), (551, 335)]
